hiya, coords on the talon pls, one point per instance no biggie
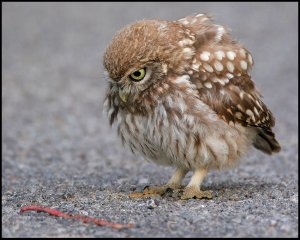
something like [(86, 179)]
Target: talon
[(191, 192)]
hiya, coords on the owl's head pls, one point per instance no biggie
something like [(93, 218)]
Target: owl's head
[(144, 54)]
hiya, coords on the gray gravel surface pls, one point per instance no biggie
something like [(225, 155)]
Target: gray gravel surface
[(58, 149)]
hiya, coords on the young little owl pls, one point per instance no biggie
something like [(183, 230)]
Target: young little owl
[(181, 94)]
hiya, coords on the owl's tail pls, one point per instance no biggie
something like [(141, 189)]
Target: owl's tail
[(266, 142)]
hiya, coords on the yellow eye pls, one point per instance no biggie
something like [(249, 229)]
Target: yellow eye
[(138, 75)]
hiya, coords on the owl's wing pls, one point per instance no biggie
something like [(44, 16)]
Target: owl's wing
[(236, 100), (220, 70), (221, 73)]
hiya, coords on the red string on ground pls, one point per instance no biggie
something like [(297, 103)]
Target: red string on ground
[(85, 219)]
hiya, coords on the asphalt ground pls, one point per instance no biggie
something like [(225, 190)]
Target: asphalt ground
[(58, 150)]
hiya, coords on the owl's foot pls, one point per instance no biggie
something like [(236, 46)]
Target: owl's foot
[(192, 192), (155, 190)]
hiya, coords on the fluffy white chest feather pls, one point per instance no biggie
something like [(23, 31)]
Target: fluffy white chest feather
[(186, 141)]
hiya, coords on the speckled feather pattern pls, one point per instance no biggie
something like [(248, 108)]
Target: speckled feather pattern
[(199, 107)]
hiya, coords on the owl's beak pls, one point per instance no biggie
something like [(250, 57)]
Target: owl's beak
[(123, 95)]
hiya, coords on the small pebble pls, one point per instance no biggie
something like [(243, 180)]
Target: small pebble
[(151, 204), (273, 223)]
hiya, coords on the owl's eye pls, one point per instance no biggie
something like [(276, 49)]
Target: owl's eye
[(138, 75)]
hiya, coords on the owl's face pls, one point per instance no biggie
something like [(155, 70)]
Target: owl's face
[(140, 55), (137, 79)]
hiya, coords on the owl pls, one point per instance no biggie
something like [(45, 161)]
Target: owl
[(180, 93)]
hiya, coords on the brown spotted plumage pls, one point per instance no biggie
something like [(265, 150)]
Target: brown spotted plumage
[(180, 93)]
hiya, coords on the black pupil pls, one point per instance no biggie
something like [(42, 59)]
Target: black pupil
[(137, 73)]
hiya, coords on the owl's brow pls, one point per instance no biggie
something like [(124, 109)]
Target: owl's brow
[(145, 63)]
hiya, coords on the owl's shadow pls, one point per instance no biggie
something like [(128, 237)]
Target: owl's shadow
[(240, 190)]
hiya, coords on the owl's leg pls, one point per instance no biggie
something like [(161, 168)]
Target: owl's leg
[(173, 183), (176, 179), (192, 190)]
